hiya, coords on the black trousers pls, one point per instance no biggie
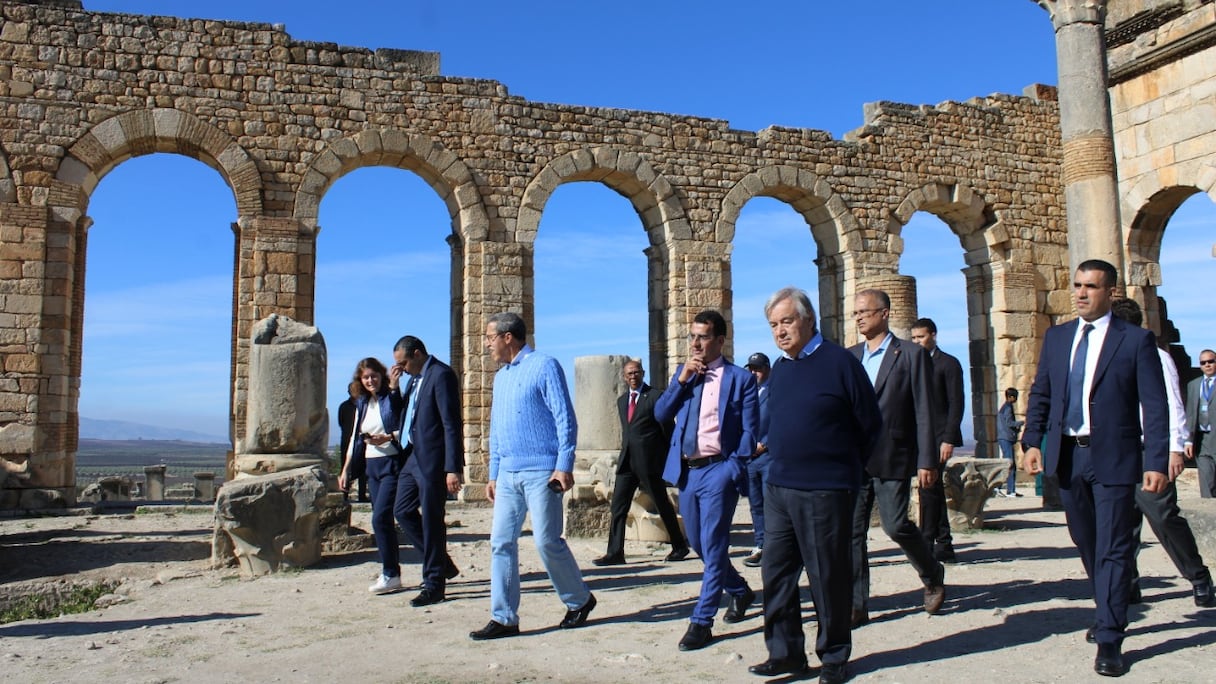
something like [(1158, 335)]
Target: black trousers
[(1172, 530), (419, 508), (893, 498), (812, 530), (627, 483), (934, 518)]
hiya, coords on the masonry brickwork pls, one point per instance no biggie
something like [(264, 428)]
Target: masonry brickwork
[(280, 120)]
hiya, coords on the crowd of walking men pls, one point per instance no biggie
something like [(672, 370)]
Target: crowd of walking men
[(816, 440)]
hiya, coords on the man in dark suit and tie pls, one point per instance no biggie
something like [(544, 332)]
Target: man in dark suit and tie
[(1096, 375), (432, 435), (948, 414), (643, 455), (1199, 444), (907, 445), (714, 406)]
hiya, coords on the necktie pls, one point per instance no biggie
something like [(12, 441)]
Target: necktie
[(633, 403), (692, 425), (1205, 393), (1076, 382), (412, 399)]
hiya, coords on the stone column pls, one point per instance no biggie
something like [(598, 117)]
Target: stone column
[(1090, 185), (154, 482), (204, 484)]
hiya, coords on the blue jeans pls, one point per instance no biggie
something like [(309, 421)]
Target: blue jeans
[(1011, 483), (515, 496), (757, 476)]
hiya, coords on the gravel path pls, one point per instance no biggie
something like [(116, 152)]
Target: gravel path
[(1016, 610)]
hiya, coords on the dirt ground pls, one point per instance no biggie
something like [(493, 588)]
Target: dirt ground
[(1017, 608)]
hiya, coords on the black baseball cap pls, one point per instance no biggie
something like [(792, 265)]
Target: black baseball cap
[(757, 360)]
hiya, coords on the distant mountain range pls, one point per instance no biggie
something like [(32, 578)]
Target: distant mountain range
[(122, 430)]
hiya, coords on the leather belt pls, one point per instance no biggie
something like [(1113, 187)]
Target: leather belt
[(1077, 441), (695, 463)]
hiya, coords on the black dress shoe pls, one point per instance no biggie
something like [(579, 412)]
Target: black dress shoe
[(944, 554), (1109, 662), (609, 560), (677, 554), (833, 674), (576, 617), (1090, 636), (697, 636), (494, 630), (450, 571), (779, 666), (1204, 597), (859, 618), (427, 597), (736, 609)]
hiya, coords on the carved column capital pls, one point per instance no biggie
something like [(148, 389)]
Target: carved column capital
[(1065, 12)]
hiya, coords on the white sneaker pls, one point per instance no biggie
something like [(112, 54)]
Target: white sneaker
[(385, 585), (1001, 493), (1016, 494)]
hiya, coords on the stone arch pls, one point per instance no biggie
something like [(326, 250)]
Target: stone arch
[(834, 228), (1156, 203), (1147, 208), (145, 131), (447, 175), (628, 173), (1000, 293), (657, 205)]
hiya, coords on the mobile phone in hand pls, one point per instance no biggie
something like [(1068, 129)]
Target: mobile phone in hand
[(555, 485)]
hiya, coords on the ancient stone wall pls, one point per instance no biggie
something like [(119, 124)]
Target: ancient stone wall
[(281, 120), (1162, 59)]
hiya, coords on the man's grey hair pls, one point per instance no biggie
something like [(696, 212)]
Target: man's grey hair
[(883, 299), (802, 302), (509, 322)]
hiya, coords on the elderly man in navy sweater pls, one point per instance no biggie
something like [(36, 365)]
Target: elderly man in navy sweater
[(823, 416)]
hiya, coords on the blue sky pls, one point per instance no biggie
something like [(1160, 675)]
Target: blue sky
[(809, 64)]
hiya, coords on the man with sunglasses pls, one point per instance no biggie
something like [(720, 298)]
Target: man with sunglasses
[(1200, 446)]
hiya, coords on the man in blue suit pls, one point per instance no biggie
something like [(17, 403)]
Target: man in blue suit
[(757, 469), (432, 435), (715, 408), (1095, 375)]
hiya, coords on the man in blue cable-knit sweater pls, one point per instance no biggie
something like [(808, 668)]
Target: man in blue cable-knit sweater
[(532, 438)]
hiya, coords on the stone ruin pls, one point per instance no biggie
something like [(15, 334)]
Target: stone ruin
[(282, 504)]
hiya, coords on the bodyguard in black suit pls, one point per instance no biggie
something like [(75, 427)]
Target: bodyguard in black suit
[(643, 456), (1092, 383), (948, 414), (432, 435), (907, 445)]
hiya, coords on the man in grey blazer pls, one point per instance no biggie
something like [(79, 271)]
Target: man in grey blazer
[(902, 374), (1199, 444)]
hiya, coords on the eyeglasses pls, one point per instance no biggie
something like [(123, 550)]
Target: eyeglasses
[(493, 336), (859, 313), (700, 338), (1204, 362)]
